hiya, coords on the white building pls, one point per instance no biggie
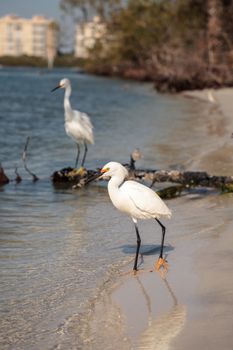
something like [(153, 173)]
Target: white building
[(37, 36), (87, 34)]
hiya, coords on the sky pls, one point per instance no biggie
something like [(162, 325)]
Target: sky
[(28, 8)]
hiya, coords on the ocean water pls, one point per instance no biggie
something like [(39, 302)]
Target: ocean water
[(59, 247)]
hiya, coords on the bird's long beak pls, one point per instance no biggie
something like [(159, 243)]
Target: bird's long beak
[(98, 175), (94, 177), (57, 87)]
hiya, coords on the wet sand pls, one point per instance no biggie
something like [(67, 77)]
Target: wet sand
[(191, 308), (212, 321), (218, 124)]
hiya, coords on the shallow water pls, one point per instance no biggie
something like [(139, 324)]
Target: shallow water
[(59, 246)]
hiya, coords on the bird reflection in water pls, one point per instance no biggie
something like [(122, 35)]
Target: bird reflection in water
[(162, 330)]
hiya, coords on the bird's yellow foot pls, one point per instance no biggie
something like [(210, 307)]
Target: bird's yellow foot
[(81, 171), (161, 263)]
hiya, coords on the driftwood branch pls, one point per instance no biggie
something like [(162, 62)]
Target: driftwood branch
[(182, 181), (186, 178), (24, 159)]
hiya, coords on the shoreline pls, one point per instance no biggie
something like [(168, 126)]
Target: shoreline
[(218, 125), (149, 312), (185, 85)]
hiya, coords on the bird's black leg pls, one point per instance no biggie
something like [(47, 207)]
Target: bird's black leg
[(78, 153), (85, 153), (163, 236), (132, 163), (138, 247)]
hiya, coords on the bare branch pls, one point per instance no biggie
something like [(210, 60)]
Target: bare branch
[(18, 177), (24, 159)]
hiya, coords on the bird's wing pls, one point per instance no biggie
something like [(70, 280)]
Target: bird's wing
[(84, 124), (145, 199), (84, 119)]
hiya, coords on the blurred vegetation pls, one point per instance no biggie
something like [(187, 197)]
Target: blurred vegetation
[(178, 44), (22, 61), (66, 60), (83, 10)]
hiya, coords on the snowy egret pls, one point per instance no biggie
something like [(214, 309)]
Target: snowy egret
[(77, 124), (138, 201), (211, 97)]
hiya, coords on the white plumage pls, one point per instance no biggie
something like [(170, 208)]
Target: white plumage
[(78, 125), (146, 204), (136, 200)]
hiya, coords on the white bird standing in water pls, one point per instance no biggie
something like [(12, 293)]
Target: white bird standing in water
[(77, 124), (136, 200)]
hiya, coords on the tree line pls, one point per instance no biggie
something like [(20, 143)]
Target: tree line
[(178, 44)]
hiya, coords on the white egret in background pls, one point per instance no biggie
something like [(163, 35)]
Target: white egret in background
[(77, 124), (211, 97), (136, 200)]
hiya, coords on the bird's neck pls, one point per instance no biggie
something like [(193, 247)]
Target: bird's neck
[(113, 186), (67, 105)]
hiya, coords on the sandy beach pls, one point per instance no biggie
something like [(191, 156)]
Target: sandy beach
[(191, 308)]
